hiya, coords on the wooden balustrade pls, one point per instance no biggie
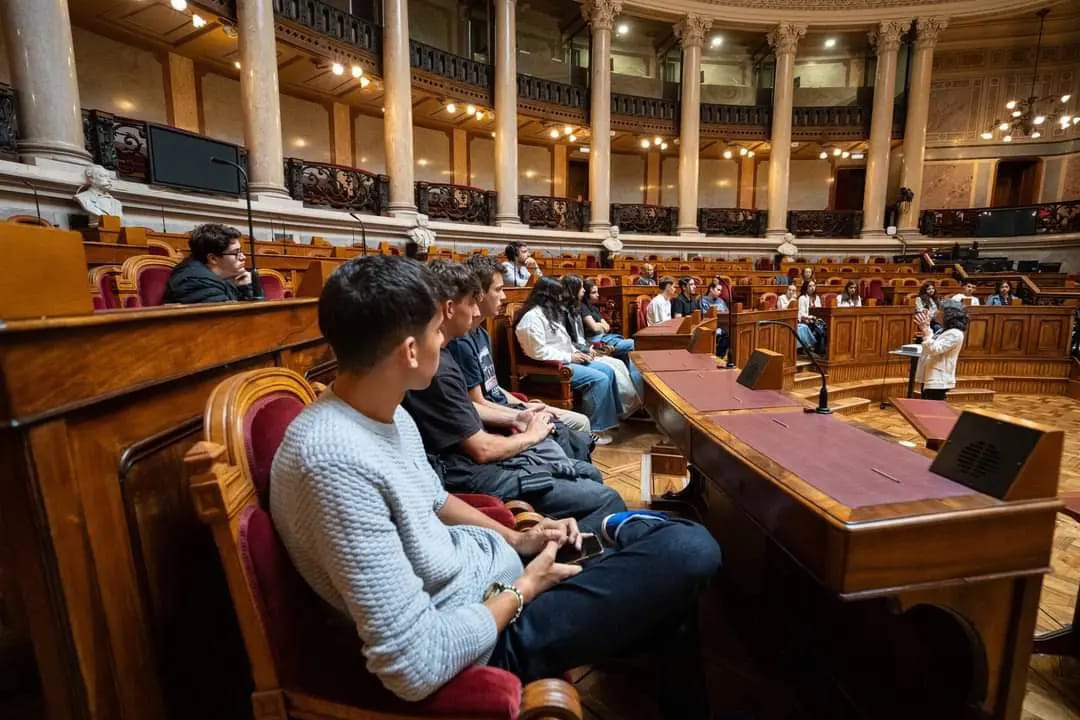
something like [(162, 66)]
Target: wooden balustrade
[(645, 108), (553, 213), (337, 186), (641, 218), (825, 223), (758, 117), (552, 92), (732, 221), (1045, 218), (338, 24), (457, 203), (447, 65)]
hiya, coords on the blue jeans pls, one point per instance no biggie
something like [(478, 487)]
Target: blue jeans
[(805, 335), (621, 347), (599, 400), (639, 598)]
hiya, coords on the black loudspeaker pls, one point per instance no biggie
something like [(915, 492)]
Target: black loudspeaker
[(1001, 456), (764, 371)]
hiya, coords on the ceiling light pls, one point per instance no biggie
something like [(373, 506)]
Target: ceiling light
[(357, 71), (988, 135), (554, 133), (727, 154), (492, 133), (857, 155), (657, 140), (585, 149), (1007, 138), (470, 109), (716, 41), (1010, 105), (830, 42), (1075, 120), (845, 154), (749, 153), (742, 151), (337, 69), (479, 114), (567, 130), (178, 5), (663, 146), (1003, 127), (836, 152), (622, 29), (823, 155), (1066, 119), (364, 82), (1038, 120), (1035, 134), (451, 108), (645, 143), (236, 64), (422, 162), (1016, 113), (1066, 97), (572, 137), (198, 20)]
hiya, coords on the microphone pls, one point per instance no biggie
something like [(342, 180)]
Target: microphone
[(730, 334), (363, 234), (256, 285), (37, 203), (823, 395)]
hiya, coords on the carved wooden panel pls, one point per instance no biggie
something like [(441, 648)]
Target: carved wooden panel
[(842, 339), (869, 338), (898, 331), (1010, 334), (1049, 336), (979, 334)]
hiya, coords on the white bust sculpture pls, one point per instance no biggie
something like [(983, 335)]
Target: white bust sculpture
[(612, 243), (94, 197), (787, 248), (421, 234)]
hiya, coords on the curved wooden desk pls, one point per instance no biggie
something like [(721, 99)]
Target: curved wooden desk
[(864, 518)]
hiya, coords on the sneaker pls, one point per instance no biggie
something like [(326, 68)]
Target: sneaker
[(612, 524), (602, 438)]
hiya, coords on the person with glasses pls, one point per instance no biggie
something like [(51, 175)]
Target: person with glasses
[(214, 272)]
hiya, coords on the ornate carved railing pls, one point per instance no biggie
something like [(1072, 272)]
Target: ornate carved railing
[(1046, 218), (337, 186), (457, 203), (825, 223), (837, 120), (439, 62), (643, 107), (639, 218), (9, 121), (118, 143), (749, 115), (732, 221), (550, 91), (328, 20), (554, 213)]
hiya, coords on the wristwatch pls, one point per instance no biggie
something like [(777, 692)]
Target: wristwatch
[(497, 587)]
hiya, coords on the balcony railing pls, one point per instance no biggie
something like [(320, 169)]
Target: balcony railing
[(639, 218), (337, 186), (553, 213), (328, 20), (757, 116), (645, 108), (732, 221), (118, 143), (447, 65), (855, 118), (825, 223), (550, 91), (9, 122), (457, 203), (1046, 218)]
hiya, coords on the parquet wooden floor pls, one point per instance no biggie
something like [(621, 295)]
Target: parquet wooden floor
[(1053, 689)]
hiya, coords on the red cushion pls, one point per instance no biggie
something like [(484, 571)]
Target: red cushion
[(264, 427), (271, 286), (151, 284), (110, 296), (317, 650), (491, 506)]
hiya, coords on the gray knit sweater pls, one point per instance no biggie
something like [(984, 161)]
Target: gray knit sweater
[(355, 503)]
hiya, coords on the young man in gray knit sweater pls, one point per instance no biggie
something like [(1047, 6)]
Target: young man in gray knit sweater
[(432, 584)]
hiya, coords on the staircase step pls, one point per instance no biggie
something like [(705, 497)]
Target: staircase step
[(849, 405), (807, 377), (974, 395)]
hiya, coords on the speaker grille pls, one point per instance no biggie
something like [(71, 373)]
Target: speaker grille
[(978, 459)]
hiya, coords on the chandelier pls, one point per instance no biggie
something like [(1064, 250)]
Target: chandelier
[(1028, 116)]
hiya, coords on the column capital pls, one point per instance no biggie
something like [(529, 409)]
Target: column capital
[(601, 14), (886, 37), (691, 30), (785, 38), (928, 30)]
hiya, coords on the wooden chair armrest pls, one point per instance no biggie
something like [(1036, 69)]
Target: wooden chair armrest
[(550, 699)]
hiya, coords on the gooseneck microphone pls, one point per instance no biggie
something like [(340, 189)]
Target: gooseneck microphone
[(823, 396), (363, 234), (37, 203), (256, 284)]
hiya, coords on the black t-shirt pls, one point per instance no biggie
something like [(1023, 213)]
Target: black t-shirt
[(443, 411), (473, 355), (682, 305)]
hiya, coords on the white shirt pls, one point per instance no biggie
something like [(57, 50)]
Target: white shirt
[(843, 301), (804, 305), (542, 339), (961, 297), (783, 301), (659, 309), (937, 364), (517, 275)]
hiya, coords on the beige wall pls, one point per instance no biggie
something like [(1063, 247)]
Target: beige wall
[(119, 78), (534, 170), (305, 129), (718, 183), (1070, 189), (369, 151), (948, 184), (482, 163), (435, 23), (221, 110), (808, 187), (431, 156), (627, 178)]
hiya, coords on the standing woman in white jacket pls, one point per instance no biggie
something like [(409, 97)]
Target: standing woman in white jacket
[(937, 364), (541, 332)]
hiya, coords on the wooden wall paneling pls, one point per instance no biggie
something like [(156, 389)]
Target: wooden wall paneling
[(1010, 334), (868, 336), (979, 335), (1047, 335)]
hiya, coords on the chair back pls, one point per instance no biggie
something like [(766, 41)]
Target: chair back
[(878, 260), (852, 260), (160, 247), (768, 301), (143, 279), (274, 285), (643, 311), (847, 269), (909, 282), (606, 281), (829, 299), (103, 287), (835, 281)]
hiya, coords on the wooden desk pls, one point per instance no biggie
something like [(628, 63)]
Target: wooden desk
[(933, 419), (748, 336), (123, 591), (673, 334), (793, 497), (624, 298)]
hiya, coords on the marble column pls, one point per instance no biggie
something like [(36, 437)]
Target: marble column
[(506, 135), (918, 110), (397, 97), (784, 41), (42, 58), (887, 40), (691, 33), (260, 99), (601, 16)]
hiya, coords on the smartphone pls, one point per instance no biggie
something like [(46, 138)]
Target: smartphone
[(590, 547)]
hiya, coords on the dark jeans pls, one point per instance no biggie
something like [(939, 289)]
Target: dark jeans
[(934, 394), (587, 501), (638, 599)]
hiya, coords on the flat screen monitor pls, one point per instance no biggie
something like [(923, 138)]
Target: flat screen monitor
[(183, 160)]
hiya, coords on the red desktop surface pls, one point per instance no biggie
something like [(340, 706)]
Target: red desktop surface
[(716, 390), (668, 327), (668, 360)]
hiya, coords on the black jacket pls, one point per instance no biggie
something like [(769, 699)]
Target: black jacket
[(192, 282), (682, 305)]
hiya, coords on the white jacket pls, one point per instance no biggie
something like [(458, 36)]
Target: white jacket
[(542, 339), (659, 309), (961, 297), (937, 364)]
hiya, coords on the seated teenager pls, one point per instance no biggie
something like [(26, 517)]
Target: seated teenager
[(683, 303), (473, 354), (809, 328), (791, 295), (432, 585), (660, 306), (850, 296), (647, 276), (597, 329), (214, 272), (528, 465), (519, 265), (710, 299), (926, 302), (1003, 296), (968, 295), (541, 332)]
